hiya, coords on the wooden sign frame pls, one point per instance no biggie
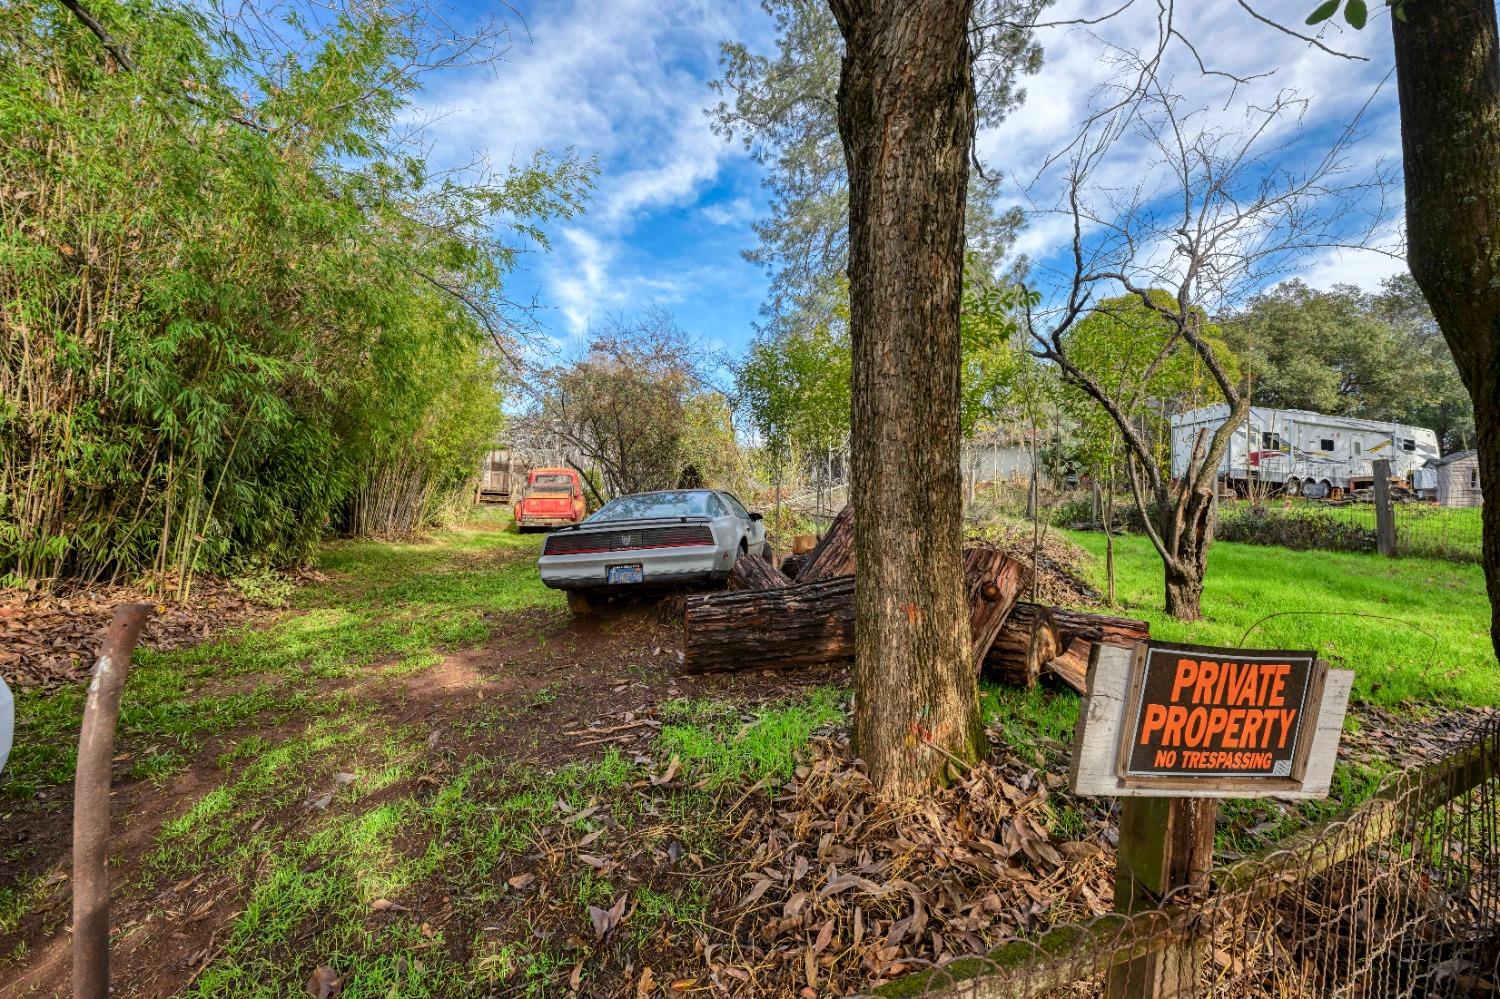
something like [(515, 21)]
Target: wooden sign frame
[(1105, 720)]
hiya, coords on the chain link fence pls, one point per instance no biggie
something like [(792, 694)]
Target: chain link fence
[(1399, 899)]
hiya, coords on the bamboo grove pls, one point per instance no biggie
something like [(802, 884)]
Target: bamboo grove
[(237, 306)]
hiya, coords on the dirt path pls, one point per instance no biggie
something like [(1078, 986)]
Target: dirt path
[(525, 696)]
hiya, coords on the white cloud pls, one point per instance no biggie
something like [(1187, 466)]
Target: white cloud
[(736, 212), (623, 81), (1080, 61)]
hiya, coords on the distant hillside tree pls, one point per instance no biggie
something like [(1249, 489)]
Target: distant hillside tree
[(1347, 352)]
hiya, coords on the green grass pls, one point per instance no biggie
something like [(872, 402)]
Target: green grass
[(400, 604), (1415, 632), (717, 747), (310, 886), (1037, 723)]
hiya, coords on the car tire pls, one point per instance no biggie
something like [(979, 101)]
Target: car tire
[(579, 603), (765, 551)]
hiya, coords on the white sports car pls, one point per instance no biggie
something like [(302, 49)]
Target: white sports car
[(665, 538)]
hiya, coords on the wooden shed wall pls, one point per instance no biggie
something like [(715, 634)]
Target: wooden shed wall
[(1458, 483)]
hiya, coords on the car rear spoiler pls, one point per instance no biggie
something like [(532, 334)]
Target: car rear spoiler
[(633, 522)]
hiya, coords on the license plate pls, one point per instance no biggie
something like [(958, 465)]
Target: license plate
[(625, 574)]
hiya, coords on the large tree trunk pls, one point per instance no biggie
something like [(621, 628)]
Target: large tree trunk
[(906, 116), (1448, 78)]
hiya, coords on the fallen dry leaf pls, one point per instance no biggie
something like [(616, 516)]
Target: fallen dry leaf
[(324, 984)]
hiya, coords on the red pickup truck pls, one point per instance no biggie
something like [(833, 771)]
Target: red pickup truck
[(553, 497)]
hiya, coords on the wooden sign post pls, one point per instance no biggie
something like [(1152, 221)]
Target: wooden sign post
[(1171, 729)]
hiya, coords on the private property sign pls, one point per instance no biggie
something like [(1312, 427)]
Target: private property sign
[(1168, 720), (1217, 712)]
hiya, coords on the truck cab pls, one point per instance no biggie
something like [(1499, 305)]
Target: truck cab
[(553, 497)]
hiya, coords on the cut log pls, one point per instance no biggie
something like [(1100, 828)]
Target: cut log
[(804, 543), (1081, 630), (834, 555), (1072, 667), (995, 581), (1100, 627), (799, 625), (1028, 639), (751, 572), (792, 564)]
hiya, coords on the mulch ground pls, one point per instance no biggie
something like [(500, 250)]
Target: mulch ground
[(49, 640)]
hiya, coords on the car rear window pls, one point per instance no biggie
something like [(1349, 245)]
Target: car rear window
[(667, 504), (553, 483)]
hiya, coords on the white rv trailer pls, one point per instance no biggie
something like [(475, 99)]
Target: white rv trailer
[(1301, 451)]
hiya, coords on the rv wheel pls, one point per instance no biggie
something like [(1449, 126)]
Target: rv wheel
[(1293, 487)]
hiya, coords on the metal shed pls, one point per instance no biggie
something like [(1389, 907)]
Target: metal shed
[(1457, 479)]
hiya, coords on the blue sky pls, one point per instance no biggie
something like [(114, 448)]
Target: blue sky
[(626, 81)]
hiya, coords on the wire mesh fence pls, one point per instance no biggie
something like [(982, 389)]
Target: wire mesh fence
[(1426, 530), (1399, 899), (1423, 529)]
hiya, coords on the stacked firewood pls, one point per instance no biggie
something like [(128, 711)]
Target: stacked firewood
[(769, 619)]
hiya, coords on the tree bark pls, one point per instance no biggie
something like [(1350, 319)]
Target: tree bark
[(1186, 525), (1037, 640), (1448, 80), (994, 582), (1100, 627), (1028, 641), (906, 117), (800, 625), (833, 555), (751, 572), (1072, 666)]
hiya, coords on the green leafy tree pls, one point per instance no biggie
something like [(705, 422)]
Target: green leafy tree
[(1441, 401), (782, 106), (1349, 353), (639, 406), (217, 251), (1447, 64)]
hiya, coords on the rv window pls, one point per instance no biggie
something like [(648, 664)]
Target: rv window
[(1408, 445), (1326, 444), (1473, 478), (1359, 447)]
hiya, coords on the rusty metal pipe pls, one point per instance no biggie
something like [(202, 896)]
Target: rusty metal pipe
[(96, 750)]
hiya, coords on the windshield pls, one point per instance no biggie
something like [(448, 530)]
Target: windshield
[(685, 503), (555, 483)]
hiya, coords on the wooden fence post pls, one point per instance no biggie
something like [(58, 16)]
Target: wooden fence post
[(1385, 513), (1166, 847)]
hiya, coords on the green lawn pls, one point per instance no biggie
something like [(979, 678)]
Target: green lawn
[(1416, 632), (396, 604)]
